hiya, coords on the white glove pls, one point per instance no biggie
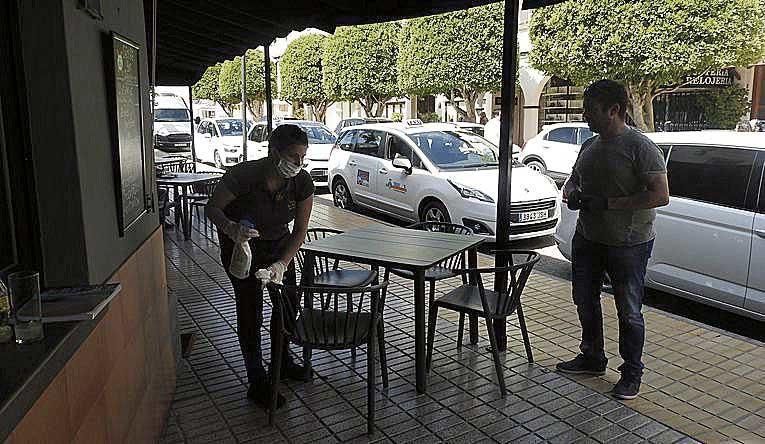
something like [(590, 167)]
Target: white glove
[(277, 270), (264, 275), (238, 232)]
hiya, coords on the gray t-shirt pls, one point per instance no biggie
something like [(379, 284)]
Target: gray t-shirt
[(616, 168)]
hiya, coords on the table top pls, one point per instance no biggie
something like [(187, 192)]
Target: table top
[(389, 245), (186, 178)]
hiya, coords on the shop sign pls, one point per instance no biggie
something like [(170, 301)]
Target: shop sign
[(713, 78)]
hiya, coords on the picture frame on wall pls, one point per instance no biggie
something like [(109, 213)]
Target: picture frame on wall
[(127, 131)]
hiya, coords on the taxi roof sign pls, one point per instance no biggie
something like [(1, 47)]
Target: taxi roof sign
[(414, 122)]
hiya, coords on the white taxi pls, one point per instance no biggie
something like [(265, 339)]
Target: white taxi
[(436, 172)]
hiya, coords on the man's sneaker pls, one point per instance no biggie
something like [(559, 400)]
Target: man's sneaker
[(582, 366), (628, 387)]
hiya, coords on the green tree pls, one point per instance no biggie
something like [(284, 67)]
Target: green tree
[(230, 82), (458, 54), (301, 74), (359, 63), (653, 46), (723, 107), (207, 86)]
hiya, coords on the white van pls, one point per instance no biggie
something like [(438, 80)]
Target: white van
[(172, 123), (710, 239)]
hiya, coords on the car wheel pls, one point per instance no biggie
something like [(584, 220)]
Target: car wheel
[(536, 165), (435, 211), (216, 158), (341, 195)]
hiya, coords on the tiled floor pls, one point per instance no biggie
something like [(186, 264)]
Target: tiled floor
[(689, 384)]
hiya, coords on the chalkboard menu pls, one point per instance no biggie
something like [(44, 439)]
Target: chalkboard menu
[(129, 151)]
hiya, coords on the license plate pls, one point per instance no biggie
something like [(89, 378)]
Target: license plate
[(181, 144), (532, 216)]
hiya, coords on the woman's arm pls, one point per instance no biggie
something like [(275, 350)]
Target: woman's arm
[(297, 237), (214, 211)]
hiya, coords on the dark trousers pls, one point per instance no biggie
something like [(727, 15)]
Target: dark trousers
[(249, 302), (626, 267)]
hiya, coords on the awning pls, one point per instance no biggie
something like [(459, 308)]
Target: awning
[(194, 34)]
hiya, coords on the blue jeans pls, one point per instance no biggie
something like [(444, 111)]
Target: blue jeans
[(626, 267)]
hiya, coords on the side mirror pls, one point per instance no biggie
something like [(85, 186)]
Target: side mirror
[(403, 163), (197, 120)]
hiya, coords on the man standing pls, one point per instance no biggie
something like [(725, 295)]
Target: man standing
[(492, 128), (617, 181)]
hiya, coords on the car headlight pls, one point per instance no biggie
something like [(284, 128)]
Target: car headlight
[(470, 193)]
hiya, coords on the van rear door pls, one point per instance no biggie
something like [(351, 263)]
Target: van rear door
[(704, 235), (755, 292)]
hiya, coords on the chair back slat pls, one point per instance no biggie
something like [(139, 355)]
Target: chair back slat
[(318, 316), (321, 264), (513, 265), (456, 261)]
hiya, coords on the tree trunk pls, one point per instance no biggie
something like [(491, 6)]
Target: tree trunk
[(368, 103), (640, 107), (470, 96), (460, 112), (320, 110), (256, 107), (380, 105), (224, 107)]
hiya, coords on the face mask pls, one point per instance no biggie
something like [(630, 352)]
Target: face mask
[(287, 169)]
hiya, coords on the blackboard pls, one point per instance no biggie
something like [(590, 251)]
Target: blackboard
[(129, 156)]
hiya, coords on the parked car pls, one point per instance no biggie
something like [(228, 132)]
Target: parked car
[(320, 142), (476, 128), (436, 172), (353, 121), (710, 239), (172, 123), (554, 150), (219, 141)]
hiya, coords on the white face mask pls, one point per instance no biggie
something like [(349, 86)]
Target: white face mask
[(287, 169)]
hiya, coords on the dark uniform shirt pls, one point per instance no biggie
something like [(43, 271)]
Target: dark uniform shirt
[(269, 211)]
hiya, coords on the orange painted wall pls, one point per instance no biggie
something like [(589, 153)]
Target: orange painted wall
[(118, 386)]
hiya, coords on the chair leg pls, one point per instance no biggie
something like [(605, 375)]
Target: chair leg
[(432, 292), (495, 354), (371, 382), (432, 316), (349, 302), (525, 333), (460, 331), (383, 356), (276, 370)]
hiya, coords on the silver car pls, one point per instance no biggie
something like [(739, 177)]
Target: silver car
[(710, 239)]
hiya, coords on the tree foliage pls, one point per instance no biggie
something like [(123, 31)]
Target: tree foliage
[(723, 107), (359, 63), (207, 86), (650, 45), (301, 74), (458, 54), (230, 81)]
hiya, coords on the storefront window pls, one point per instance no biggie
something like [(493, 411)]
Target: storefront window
[(561, 103)]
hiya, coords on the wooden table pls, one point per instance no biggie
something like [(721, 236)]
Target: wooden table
[(402, 248), (184, 181)]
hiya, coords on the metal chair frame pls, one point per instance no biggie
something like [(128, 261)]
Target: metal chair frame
[(507, 302), (316, 317), (455, 262)]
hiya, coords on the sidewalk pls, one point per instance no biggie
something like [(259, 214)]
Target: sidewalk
[(699, 382)]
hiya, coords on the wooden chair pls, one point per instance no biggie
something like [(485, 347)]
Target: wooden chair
[(474, 299)]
